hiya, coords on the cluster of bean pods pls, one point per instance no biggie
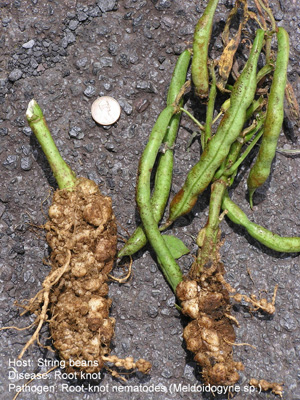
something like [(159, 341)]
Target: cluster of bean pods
[(250, 115)]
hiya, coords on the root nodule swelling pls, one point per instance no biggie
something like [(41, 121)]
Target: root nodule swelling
[(210, 335), (82, 235)]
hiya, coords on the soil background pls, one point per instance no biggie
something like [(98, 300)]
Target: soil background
[(65, 54)]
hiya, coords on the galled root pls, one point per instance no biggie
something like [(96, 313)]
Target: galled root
[(259, 304), (82, 234), (210, 334), (263, 385)]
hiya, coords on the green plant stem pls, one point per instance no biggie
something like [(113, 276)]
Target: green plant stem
[(63, 174), (202, 128), (235, 166), (209, 246)]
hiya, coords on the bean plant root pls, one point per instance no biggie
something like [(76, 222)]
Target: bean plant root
[(82, 235), (210, 335)]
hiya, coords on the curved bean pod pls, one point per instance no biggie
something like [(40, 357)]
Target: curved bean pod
[(274, 118), (202, 34), (228, 131), (283, 244), (163, 177), (170, 268)]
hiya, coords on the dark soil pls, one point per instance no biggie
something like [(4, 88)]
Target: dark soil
[(65, 54)]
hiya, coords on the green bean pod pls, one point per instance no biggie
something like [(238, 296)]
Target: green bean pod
[(283, 244), (163, 176), (202, 34), (228, 131), (274, 118), (170, 268)]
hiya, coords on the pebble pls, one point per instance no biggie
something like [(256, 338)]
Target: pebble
[(76, 133), (15, 75), (105, 62), (11, 162), (82, 16), (163, 5), (29, 44), (81, 62), (106, 5), (152, 311), (89, 147), (2, 209), (124, 60), (112, 48), (110, 146), (27, 131), (126, 107), (94, 12), (289, 322), (3, 131), (18, 248), (73, 24), (26, 163), (167, 373), (141, 105), (90, 91)]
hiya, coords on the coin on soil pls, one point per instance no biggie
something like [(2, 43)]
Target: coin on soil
[(106, 110)]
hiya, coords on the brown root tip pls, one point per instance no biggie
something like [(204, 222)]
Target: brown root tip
[(143, 366)]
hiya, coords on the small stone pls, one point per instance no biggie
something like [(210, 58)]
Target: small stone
[(142, 85), (73, 24), (82, 16), (147, 33), (90, 91), (126, 107), (2, 209), (107, 86), (142, 105), (15, 75), (167, 373), (163, 5), (70, 37), (5, 21), (33, 63), (40, 68), (112, 48), (152, 311), (28, 45), (138, 20), (106, 5), (106, 62), (3, 131), (124, 60), (289, 322), (94, 12), (27, 131), (89, 147), (81, 63), (26, 163), (278, 16), (18, 248), (76, 133), (110, 147), (11, 162)]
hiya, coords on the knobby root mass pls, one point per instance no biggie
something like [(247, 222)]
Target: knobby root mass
[(82, 235), (210, 335)]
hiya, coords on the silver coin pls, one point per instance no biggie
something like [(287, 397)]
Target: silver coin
[(106, 110)]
